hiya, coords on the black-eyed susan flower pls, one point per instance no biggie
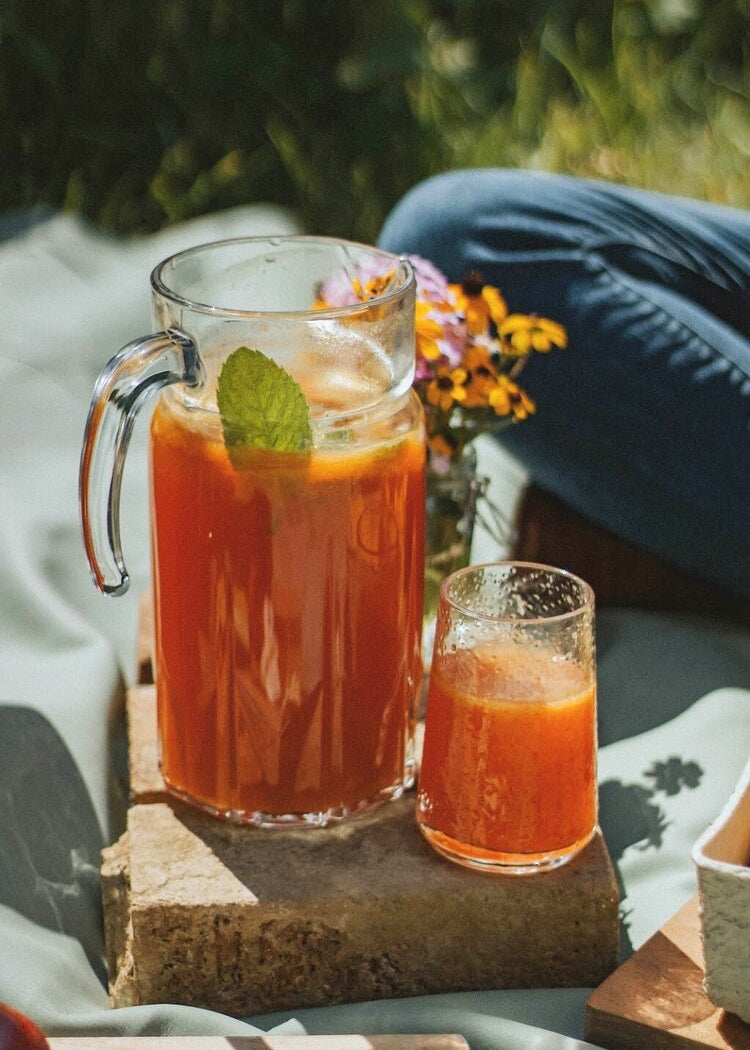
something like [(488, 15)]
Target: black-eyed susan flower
[(479, 303), (447, 388), (481, 377), (375, 285), (442, 444), (479, 354), (524, 333), (509, 399)]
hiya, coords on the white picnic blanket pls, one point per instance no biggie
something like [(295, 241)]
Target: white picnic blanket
[(674, 690)]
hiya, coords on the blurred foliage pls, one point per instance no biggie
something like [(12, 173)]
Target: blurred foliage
[(138, 114)]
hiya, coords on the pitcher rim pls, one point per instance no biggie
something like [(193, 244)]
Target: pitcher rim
[(160, 286)]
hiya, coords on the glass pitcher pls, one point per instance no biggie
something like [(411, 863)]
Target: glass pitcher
[(287, 585)]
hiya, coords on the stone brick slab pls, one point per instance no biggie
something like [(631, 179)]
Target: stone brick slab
[(146, 782), (248, 921)]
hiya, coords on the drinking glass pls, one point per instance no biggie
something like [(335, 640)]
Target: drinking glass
[(287, 585), (508, 775)]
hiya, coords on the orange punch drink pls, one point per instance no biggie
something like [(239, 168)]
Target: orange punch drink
[(508, 775), (287, 523), (288, 598)]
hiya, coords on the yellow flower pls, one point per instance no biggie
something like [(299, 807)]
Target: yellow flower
[(374, 287), (441, 446), (479, 303), (509, 399), (447, 388), (524, 333), (477, 356), (482, 380), (428, 331)]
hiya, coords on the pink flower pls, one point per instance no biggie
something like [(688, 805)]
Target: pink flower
[(346, 287), (439, 463), (453, 342), (432, 285)]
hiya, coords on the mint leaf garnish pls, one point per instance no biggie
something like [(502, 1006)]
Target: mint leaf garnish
[(261, 405)]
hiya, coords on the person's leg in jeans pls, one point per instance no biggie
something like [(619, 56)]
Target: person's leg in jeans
[(643, 423)]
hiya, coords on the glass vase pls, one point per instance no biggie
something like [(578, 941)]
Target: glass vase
[(456, 499), (451, 500)]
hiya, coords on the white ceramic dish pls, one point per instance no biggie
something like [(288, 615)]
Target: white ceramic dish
[(722, 859)]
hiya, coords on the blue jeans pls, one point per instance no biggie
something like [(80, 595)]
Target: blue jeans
[(643, 423)]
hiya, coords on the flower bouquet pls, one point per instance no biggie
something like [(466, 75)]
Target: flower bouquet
[(470, 352)]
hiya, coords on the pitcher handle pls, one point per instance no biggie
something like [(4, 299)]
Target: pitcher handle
[(136, 372)]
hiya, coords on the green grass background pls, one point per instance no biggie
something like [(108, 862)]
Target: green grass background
[(139, 114)]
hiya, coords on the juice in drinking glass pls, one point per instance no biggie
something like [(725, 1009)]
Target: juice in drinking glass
[(508, 775)]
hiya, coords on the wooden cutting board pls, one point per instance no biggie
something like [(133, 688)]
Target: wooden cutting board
[(266, 1042), (656, 998)]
